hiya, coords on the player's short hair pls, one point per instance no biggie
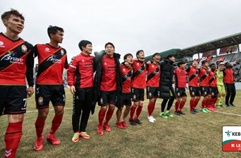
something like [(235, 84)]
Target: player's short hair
[(170, 56), (126, 55), (195, 61), (212, 64), (14, 12), (138, 52), (83, 43), (155, 54), (54, 30), (109, 43), (180, 63), (205, 61)]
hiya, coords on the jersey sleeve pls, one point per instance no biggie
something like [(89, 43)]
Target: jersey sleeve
[(188, 68), (29, 65), (71, 73), (35, 51)]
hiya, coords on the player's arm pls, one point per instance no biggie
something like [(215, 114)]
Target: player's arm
[(66, 66), (71, 74), (29, 72), (188, 68)]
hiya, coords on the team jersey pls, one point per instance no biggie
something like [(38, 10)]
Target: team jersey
[(192, 76), (228, 76), (153, 75), (180, 78), (219, 78), (203, 76), (212, 77), (80, 72), (138, 79), (108, 79), (126, 74), (16, 61), (51, 63)]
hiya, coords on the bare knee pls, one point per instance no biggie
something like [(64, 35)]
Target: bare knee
[(112, 107), (43, 113), (15, 118)]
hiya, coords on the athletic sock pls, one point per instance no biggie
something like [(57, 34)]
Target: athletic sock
[(108, 115), (138, 112), (177, 106), (39, 126), (182, 105), (195, 103), (204, 102), (56, 123), (150, 109), (133, 109), (101, 116), (12, 138), (192, 104)]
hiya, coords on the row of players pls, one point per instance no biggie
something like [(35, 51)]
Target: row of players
[(113, 84)]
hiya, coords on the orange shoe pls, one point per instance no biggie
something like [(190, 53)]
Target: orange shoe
[(75, 137), (100, 130), (84, 135), (51, 138), (38, 144), (107, 127), (124, 124), (119, 125)]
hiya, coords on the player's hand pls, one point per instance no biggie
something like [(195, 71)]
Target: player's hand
[(126, 64), (136, 59), (72, 90), (148, 62), (30, 92)]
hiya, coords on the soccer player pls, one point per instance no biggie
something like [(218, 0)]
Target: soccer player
[(229, 85), (166, 89), (220, 85), (180, 85), (213, 87), (108, 85), (204, 86), (152, 89), (80, 80), (16, 64), (193, 85), (52, 60), (138, 84), (126, 73)]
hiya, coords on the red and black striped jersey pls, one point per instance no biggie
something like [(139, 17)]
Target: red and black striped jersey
[(212, 78), (108, 79), (192, 76), (203, 77), (180, 78), (228, 76), (138, 79), (16, 61), (126, 74), (80, 71), (51, 63), (153, 75)]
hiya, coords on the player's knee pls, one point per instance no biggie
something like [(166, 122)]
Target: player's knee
[(16, 118), (112, 107), (104, 108)]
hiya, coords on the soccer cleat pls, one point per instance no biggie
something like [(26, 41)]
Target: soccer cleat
[(232, 105), (208, 111), (223, 106), (196, 111), (203, 110), (182, 113), (124, 124), (168, 113), (75, 137), (215, 107), (132, 122), (138, 121), (228, 105), (177, 113), (38, 144), (84, 135), (100, 130), (150, 118), (211, 109), (51, 138), (192, 112), (218, 106), (161, 114), (153, 118), (107, 127), (119, 125)]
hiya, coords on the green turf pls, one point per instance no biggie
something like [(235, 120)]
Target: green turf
[(182, 136)]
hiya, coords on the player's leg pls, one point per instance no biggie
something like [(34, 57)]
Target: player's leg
[(208, 99), (169, 105), (163, 106), (108, 116), (151, 106), (76, 117), (192, 100), (139, 108), (218, 102), (118, 117), (182, 103), (103, 102), (228, 90), (125, 114), (136, 102), (197, 98), (233, 94)]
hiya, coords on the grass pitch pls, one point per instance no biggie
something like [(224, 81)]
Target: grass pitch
[(182, 136)]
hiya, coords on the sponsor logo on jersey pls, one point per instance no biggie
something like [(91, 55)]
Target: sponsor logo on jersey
[(10, 56), (2, 44), (47, 49), (53, 59), (62, 52), (24, 48)]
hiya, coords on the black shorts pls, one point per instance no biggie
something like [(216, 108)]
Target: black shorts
[(46, 93), (180, 92), (13, 99), (126, 99), (107, 98), (214, 91), (205, 91), (194, 91), (137, 94), (152, 92)]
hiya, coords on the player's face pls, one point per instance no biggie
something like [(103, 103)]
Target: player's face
[(195, 64), (14, 24), (221, 67), (129, 59), (109, 50), (88, 48), (141, 55), (206, 64), (182, 66), (157, 58), (58, 36), (172, 59), (214, 67)]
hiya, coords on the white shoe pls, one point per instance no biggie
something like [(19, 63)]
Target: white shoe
[(150, 119), (153, 118)]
